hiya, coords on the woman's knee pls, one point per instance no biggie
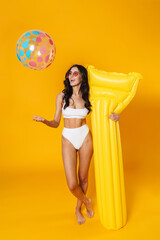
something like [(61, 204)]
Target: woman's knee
[(83, 179), (72, 185)]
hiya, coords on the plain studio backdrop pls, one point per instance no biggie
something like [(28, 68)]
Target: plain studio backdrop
[(115, 36)]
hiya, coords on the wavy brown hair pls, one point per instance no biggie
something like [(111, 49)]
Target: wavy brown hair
[(84, 88)]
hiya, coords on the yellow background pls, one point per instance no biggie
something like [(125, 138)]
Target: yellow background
[(120, 36)]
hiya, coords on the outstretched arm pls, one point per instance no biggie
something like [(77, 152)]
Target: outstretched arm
[(57, 117)]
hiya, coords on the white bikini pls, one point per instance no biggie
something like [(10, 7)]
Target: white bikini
[(75, 135)]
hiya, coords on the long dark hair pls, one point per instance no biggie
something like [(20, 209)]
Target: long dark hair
[(84, 87)]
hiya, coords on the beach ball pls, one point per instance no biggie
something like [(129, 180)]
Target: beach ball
[(35, 49)]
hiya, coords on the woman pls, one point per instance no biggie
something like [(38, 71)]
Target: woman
[(73, 102)]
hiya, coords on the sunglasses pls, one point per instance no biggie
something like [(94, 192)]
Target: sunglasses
[(74, 74)]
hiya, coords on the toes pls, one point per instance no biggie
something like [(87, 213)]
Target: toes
[(90, 214), (81, 222), (80, 218)]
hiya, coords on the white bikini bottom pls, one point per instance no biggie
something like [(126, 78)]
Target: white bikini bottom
[(76, 135)]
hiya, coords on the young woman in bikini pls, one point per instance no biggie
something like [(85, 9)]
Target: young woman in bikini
[(73, 102)]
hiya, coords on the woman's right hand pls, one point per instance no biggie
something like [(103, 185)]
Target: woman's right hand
[(38, 119)]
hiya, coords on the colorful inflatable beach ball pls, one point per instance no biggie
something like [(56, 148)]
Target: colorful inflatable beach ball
[(35, 49)]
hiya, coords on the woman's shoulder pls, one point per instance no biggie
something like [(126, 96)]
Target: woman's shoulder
[(61, 94)]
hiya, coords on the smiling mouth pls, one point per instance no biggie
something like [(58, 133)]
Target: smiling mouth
[(72, 80)]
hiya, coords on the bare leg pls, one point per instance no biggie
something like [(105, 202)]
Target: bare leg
[(85, 155), (80, 217), (84, 187), (77, 192), (70, 165)]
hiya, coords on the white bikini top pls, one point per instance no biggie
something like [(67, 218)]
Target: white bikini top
[(74, 112)]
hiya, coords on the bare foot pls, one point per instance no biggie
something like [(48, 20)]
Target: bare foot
[(90, 212), (80, 217)]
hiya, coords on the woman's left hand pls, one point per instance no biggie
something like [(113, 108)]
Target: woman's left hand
[(114, 116)]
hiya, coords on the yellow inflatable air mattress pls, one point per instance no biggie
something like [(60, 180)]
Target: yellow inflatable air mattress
[(109, 92)]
